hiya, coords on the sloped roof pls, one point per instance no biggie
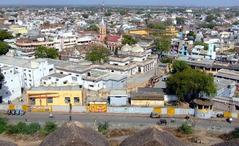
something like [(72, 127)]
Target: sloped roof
[(74, 134), (152, 136)]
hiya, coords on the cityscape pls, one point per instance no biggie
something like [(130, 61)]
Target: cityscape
[(119, 73)]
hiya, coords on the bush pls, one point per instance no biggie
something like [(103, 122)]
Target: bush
[(235, 133), (32, 128), (23, 128), (103, 128), (3, 125), (49, 127), (185, 129)]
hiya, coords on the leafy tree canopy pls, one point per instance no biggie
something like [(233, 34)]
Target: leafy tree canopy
[(93, 27), (5, 35), (160, 26), (180, 20), (179, 66), (127, 39), (4, 48), (163, 44), (97, 54), (44, 52), (190, 83), (202, 44)]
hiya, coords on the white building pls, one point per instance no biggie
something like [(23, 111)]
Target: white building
[(30, 71), (10, 88)]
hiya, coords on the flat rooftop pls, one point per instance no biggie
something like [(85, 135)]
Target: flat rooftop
[(17, 61), (79, 67), (55, 88)]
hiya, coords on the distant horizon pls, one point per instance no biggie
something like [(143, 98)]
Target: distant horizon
[(156, 3)]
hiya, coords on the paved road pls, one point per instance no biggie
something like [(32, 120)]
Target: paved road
[(124, 120)]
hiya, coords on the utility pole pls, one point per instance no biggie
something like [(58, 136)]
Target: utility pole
[(70, 109)]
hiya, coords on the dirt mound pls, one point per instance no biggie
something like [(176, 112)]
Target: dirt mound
[(74, 134)]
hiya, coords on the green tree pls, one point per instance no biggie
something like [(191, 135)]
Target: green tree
[(4, 48), (190, 84), (192, 34), (160, 26), (5, 35), (97, 54), (179, 66), (44, 52), (93, 27), (210, 18), (202, 44), (162, 44), (180, 20), (127, 39), (85, 15)]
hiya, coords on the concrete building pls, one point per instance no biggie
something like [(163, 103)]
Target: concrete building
[(55, 96), (11, 86), (30, 72), (118, 98)]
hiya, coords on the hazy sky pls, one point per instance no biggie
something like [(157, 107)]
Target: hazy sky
[(124, 2)]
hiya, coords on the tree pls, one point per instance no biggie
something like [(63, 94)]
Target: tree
[(179, 66), (202, 44), (162, 44), (93, 27), (180, 20), (190, 84), (192, 35), (85, 15), (44, 52), (127, 39), (97, 54), (5, 35), (209, 18), (4, 48), (160, 26)]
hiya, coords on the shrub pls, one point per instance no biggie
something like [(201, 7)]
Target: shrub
[(17, 129), (185, 129), (23, 128), (103, 128), (235, 133), (32, 128), (49, 127), (3, 125)]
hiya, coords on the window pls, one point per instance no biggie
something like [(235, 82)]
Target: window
[(32, 101), (74, 78), (76, 99), (50, 100), (67, 99), (65, 82), (91, 85), (51, 69)]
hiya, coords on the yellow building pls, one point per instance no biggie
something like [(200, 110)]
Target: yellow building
[(141, 32), (18, 29), (47, 96), (153, 100)]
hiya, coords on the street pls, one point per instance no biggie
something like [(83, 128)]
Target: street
[(125, 120)]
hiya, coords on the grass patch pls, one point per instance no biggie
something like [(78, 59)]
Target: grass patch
[(3, 125), (48, 128)]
